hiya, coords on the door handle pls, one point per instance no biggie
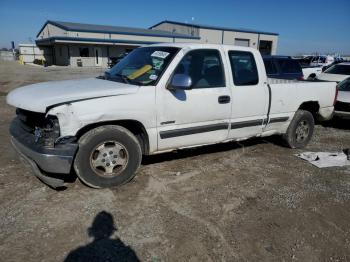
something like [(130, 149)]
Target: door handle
[(224, 99)]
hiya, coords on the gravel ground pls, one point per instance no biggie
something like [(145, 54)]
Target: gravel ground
[(248, 201)]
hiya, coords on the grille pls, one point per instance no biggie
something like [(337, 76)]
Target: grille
[(30, 120)]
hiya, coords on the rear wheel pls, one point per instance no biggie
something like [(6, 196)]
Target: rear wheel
[(300, 129), (107, 156)]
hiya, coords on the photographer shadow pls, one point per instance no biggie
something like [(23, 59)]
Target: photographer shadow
[(103, 247)]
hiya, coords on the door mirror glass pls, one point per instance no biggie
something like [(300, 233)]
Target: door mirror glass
[(181, 81)]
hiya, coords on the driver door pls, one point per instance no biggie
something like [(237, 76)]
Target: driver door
[(199, 115)]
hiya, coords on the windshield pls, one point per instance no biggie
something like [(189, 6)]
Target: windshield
[(143, 66), (339, 70), (344, 85)]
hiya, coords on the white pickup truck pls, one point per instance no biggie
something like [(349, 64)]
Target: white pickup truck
[(159, 98)]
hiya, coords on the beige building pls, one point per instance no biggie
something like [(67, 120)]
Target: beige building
[(266, 42), (76, 44)]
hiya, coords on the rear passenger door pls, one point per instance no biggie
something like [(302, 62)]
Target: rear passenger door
[(250, 95)]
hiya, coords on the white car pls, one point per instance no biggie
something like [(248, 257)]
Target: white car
[(159, 98), (321, 61), (336, 73), (342, 106), (311, 72)]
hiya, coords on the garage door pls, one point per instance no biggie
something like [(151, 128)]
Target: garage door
[(242, 42)]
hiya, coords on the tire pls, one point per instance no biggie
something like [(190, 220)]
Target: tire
[(300, 130), (108, 156)]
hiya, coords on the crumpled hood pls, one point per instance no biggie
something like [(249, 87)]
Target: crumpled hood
[(38, 97)]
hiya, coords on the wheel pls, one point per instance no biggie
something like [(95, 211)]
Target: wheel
[(108, 156), (300, 129)]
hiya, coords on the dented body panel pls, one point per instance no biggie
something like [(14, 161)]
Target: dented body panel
[(176, 119)]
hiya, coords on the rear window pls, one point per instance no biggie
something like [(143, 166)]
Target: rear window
[(270, 67), (289, 66), (339, 70)]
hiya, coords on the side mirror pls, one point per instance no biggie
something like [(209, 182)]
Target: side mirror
[(181, 81)]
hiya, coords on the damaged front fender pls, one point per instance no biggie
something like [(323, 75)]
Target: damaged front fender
[(69, 122)]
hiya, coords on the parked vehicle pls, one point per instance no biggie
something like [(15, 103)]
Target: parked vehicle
[(282, 67), (311, 72), (321, 60), (338, 61), (336, 73), (312, 65), (115, 60), (159, 98), (342, 106)]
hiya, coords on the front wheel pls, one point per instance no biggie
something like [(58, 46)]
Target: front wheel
[(300, 129), (108, 156)]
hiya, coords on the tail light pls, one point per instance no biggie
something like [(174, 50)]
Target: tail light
[(301, 78), (336, 95)]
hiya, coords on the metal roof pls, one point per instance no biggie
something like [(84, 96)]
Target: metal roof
[(244, 30), (79, 27), (51, 40)]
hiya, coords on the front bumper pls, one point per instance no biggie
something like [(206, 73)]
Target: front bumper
[(57, 160)]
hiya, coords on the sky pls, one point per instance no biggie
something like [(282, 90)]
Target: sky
[(305, 26)]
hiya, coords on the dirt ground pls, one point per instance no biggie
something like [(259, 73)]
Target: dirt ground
[(249, 201)]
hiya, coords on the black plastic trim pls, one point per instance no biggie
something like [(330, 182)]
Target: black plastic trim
[(192, 130), (278, 119), (246, 124)]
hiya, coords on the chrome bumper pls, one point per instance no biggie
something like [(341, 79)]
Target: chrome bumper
[(57, 160)]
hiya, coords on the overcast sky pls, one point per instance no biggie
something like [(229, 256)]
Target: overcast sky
[(304, 25)]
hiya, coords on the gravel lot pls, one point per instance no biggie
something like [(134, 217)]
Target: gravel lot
[(249, 201)]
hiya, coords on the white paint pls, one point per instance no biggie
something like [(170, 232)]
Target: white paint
[(91, 101), (308, 71)]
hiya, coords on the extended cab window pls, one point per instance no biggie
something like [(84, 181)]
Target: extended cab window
[(244, 70), (205, 68)]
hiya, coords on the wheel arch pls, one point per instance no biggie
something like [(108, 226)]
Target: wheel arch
[(312, 106), (134, 126)]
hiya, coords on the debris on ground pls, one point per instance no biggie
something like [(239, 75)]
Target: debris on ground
[(327, 159)]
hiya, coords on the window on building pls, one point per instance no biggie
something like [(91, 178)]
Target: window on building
[(244, 70), (205, 68), (242, 42), (84, 52), (265, 47)]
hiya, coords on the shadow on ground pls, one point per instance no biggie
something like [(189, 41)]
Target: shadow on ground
[(103, 248), (208, 149), (339, 123)]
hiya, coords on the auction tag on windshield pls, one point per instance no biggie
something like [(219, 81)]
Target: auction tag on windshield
[(160, 54)]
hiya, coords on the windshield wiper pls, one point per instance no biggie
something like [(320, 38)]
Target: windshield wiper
[(124, 77)]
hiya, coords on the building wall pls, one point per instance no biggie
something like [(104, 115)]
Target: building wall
[(210, 36), (52, 30), (6, 56), (61, 55), (180, 29), (29, 52), (274, 40), (216, 36), (106, 53)]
